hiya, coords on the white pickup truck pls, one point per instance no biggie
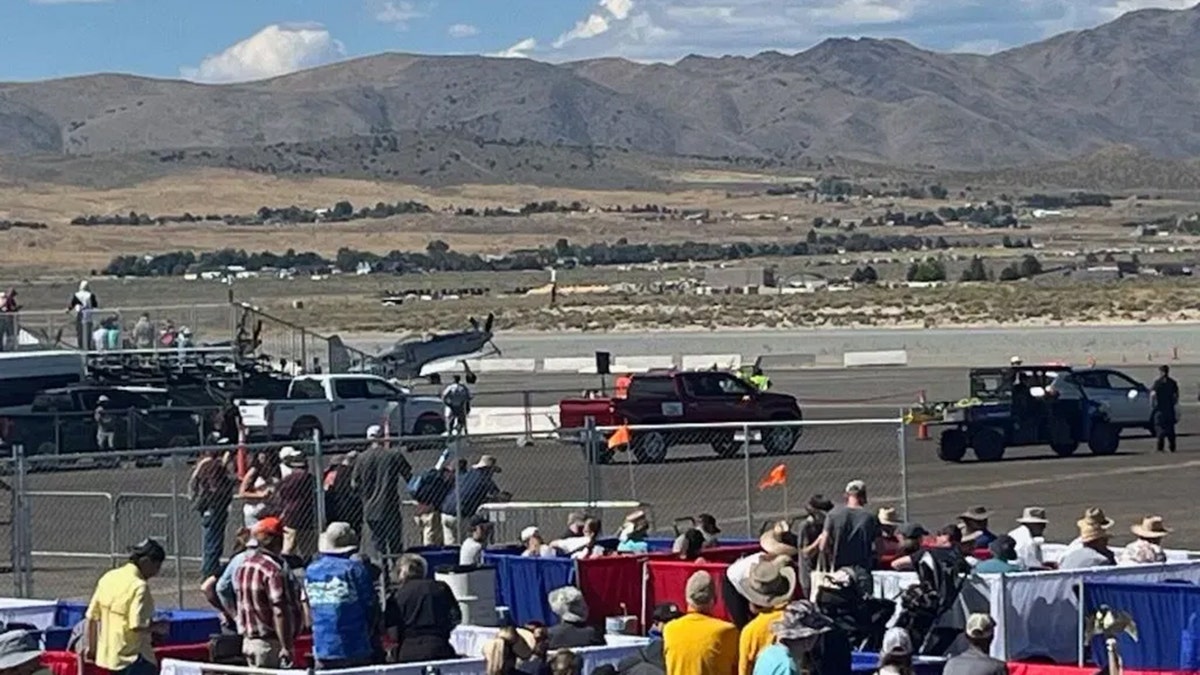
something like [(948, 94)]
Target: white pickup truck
[(342, 406)]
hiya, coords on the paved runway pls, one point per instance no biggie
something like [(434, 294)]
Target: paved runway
[(1129, 485)]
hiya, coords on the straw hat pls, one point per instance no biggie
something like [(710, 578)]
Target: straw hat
[(771, 583), (976, 514), (1033, 515), (888, 516), (1151, 527), (1090, 530), (1096, 517)]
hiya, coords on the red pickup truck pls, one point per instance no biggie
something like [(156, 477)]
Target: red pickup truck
[(674, 397)]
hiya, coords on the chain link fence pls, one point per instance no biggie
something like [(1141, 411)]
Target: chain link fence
[(73, 517)]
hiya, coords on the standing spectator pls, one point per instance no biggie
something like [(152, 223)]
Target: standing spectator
[(471, 552), (429, 489), (9, 329), (535, 545), (696, 643), (210, 587), (381, 476), (851, 534), (421, 613), (649, 660), (83, 303), (796, 635), (1004, 557), (586, 545), (143, 332), (769, 589), (1164, 398), (341, 600), (297, 505), (779, 541), (573, 630), (120, 616), (692, 546), (1147, 548), (633, 533), (816, 510), (457, 399), (1093, 550), (225, 589), (106, 425), (341, 501), (268, 601), (975, 522), (211, 489), (1029, 536), (259, 489), (472, 489), (975, 660)]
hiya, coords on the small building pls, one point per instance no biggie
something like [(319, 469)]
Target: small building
[(739, 279)]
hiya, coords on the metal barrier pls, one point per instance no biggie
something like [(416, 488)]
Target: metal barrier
[(207, 323)]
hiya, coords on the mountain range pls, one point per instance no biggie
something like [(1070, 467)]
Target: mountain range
[(1132, 82)]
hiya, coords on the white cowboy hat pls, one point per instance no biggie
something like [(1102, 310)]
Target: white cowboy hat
[(338, 539), (1151, 527)]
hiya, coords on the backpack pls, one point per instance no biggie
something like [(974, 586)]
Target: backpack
[(427, 487)]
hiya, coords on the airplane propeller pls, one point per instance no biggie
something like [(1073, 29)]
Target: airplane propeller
[(487, 325)]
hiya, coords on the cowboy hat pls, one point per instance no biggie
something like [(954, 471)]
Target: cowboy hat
[(772, 541), (487, 462), (801, 620), (637, 517), (18, 647), (568, 603), (338, 539), (887, 516), (1096, 516), (1090, 531), (976, 513), (1151, 527), (1033, 515), (771, 583)]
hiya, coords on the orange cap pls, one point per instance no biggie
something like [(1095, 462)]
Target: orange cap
[(271, 525)]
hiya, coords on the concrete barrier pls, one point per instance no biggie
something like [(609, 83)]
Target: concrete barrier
[(772, 362), (503, 365), (640, 364), (510, 420), (569, 364), (897, 357), (705, 361)]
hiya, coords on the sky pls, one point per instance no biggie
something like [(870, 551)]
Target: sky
[(220, 41)]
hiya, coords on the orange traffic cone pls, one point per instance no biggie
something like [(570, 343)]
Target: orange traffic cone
[(922, 432)]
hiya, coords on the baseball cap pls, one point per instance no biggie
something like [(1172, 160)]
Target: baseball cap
[(374, 431), (700, 589), (980, 625), (912, 531), (667, 611), (856, 487), (528, 533), (271, 525), (479, 520)]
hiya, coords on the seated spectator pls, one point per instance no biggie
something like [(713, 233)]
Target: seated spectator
[(1147, 549), (538, 662), (692, 544), (341, 600), (696, 643), (1093, 552), (586, 544), (1029, 536), (707, 524), (909, 538), (573, 630), (633, 533), (795, 636), (889, 521), (1094, 516), (471, 553), (502, 653), (896, 654), (535, 545), (770, 588), (575, 521), (566, 662), (968, 543), (649, 660), (1004, 556), (421, 614), (975, 660), (975, 525)]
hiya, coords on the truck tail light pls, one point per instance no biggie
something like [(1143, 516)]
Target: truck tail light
[(612, 408)]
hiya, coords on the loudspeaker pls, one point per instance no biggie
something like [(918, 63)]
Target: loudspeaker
[(603, 363)]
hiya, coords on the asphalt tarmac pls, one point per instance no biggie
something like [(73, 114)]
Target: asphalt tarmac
[(856, 435)]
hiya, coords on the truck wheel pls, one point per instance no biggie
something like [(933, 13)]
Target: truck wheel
[(726, 445), (650, 447), (780, 440), (1065, 449), (988, 444), (952, 445), (1104, 439), (429, 425), (304, 427)]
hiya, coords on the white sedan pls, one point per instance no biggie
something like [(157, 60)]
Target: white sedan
[(1126, 400)]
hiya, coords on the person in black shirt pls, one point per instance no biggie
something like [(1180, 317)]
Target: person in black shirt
[(573, 631), (421, 614), (1164, 397)]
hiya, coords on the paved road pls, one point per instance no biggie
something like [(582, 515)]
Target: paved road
[(1129, 485)]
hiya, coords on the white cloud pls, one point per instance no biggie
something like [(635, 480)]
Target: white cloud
[(462, 30), (666, 30), (276, 50), (521, 50), (399, 13)]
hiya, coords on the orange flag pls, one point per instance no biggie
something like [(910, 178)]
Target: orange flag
[(619, 437), (776, 476)]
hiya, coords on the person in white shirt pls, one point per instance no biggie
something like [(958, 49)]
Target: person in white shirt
[(1147, 549), (585, 545), (535, 545), (471, 553), (83, 303), (1094, 516), (1030, 535)]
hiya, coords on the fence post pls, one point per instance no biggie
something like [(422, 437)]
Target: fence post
[(319, 472), (902, 438), (591, 452), (18, 535), (174, 462), (527, 406), (749, 492)]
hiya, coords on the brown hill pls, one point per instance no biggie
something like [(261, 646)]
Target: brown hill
[(1133, 81)]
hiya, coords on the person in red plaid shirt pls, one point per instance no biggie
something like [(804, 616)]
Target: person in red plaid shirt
[(269, 603)]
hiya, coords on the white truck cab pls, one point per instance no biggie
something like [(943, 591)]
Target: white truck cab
[(342, 406)]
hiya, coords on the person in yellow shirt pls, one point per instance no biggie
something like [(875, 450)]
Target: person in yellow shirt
[(696, 643), (769, 588), (120, 617)]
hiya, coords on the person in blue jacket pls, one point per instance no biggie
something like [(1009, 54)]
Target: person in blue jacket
[(342, 600)]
